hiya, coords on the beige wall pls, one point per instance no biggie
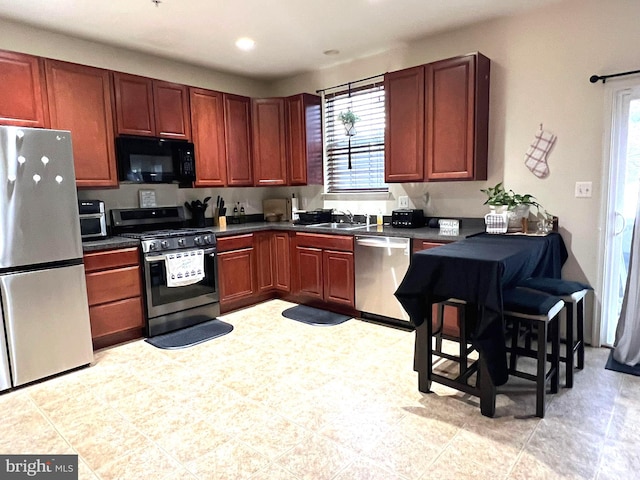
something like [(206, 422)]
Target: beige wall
[(21, 38), (541, 64)]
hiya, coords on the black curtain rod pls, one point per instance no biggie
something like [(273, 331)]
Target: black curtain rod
[(595, 78), (350, 83)]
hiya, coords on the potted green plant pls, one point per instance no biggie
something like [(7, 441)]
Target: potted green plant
[(518, 205), (349, 120), (498, 199)]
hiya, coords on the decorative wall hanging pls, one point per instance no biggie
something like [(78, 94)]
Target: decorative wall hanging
[(536, 157)]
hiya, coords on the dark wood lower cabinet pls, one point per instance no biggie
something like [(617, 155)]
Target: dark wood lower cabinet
[(235, 274), (309, 262), (339, 277), (324, 269), (114, 291)]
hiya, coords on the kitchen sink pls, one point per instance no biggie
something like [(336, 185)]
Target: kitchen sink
[(339, 226)]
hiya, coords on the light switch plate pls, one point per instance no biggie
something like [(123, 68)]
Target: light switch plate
[(584, 189), (403, 201)]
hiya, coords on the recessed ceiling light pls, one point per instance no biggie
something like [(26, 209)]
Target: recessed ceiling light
[(333, 51), (245, 43)]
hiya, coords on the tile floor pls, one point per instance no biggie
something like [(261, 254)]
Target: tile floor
[(277, 399)]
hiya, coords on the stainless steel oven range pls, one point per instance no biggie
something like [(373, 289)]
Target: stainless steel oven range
[(179, 267)]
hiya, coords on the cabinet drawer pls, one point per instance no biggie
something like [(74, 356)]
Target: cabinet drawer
[(112, 285), (110, 259), (237, 242), (115, 317), (329, 242)]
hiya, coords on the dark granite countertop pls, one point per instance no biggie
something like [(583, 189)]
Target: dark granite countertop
[(467, 228), (109, 243)]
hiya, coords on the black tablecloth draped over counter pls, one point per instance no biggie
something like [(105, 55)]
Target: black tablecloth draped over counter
[(476, 270)]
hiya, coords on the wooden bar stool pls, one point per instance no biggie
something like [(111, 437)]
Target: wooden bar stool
[(448, 327), (573, 293), (542, 311)]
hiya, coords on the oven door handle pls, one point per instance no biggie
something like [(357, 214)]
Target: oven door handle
[(157, 258)]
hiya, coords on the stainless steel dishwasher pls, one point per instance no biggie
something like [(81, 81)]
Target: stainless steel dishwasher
[(380, 264)]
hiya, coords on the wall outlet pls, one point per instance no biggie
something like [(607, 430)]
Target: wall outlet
[(403, 201), (584, 189)]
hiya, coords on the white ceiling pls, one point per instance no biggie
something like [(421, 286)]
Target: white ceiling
[(290, 35)]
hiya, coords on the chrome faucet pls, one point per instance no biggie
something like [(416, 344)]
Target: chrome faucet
[(347, 213)]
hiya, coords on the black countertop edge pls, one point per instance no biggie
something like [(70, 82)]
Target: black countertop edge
[(422, 233)]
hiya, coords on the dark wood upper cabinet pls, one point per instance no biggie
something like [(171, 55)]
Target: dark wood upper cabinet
[(456, 133), (237, 126), (134, 105), (207, 124), (23, 99), (151, 108), (171, 109), (404, 135), (80, 101), (437, 121), (304, 139), (269, 147)]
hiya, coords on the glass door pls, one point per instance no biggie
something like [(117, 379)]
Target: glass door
[(622, 201)]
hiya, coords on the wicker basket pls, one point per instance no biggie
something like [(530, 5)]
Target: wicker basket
[(496, 222)]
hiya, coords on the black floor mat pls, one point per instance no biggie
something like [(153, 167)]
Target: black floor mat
[(616, 366), (187, 337), (314, 316)]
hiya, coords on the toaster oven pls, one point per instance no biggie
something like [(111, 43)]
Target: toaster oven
[(407, 218), (93, 220)]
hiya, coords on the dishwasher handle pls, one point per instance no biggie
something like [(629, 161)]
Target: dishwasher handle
[(383, 242)]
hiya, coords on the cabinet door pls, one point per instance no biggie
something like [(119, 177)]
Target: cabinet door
[(134, 105), (339, 283), (309, 263), (454, 149), (282, 267), (171, 110), (404, 135), (269, 148), (237, 127), (207, 123), (80, 100), (23, 99), (235, 275), (304, 135), (265, 261)]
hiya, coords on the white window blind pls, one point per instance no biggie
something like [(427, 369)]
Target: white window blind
[(356, 163)]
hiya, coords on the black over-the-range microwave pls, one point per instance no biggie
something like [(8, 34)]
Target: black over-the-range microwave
[(155, 160)]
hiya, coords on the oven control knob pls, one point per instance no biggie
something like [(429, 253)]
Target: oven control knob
[(164, 244), (197, 241), (207, 239), (152, 246), (181, 242)]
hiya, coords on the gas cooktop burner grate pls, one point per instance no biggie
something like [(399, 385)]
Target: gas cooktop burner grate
[(154, 234)]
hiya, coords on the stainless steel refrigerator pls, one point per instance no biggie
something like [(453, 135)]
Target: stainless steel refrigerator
[(44, 315)]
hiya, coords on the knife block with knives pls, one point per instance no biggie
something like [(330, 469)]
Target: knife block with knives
[(219, 213)]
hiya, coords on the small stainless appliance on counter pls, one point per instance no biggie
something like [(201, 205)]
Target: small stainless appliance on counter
[(44, 315), (380, 266), (179, 298), (93, 219)]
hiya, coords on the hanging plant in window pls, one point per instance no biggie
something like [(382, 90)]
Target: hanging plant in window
[(349, 120)]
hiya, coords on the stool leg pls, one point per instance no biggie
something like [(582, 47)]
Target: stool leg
[(541, 384), (462, 340), (555, 353), (515, 334), (438, 334), (580, 321), (568, 308)]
